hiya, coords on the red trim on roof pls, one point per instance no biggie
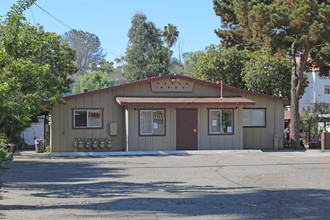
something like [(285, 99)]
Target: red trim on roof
[(180, 77), (234, 89), (138, 101)]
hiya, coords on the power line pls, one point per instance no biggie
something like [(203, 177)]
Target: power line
[(111, 52), (58, 20), (33, 17), (67, 26)]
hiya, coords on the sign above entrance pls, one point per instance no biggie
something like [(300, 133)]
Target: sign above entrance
[(172, 85)]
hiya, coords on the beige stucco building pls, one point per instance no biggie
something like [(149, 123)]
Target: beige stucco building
[(167, 113)]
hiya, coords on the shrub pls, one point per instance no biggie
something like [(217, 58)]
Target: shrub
[(3, 154)]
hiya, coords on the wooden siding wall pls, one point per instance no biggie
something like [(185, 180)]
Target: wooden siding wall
[(63, 134), (168, 142), (263, 138)]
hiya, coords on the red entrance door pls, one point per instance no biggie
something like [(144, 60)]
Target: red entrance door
[(186, 129)]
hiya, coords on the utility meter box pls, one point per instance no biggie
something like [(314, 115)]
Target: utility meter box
[(113, 128)]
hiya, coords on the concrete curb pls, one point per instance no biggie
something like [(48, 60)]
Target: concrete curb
[(147, 153)]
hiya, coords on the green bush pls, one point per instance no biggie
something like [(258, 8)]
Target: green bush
[(3, 138), (48, 149), (3, 154)]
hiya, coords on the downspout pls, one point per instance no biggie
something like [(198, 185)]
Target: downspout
[(221, 89)]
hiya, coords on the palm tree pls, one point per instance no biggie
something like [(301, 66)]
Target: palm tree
[(170, 34)]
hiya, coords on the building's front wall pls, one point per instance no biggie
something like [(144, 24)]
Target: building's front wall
[(206, 141), (63, 134), (263, 138), (127, 138)]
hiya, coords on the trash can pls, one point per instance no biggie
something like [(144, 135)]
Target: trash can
[(39, 145)]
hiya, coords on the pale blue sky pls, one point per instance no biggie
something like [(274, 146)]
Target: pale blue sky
[(110, 20)]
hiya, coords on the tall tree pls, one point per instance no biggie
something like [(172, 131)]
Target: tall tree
[(170, 34), (104, 66), (145, 51), (190, 60), (269, 75), (88, 49), (92, 81), (175, 67), (218, 63), (34, 70), (293, 27)]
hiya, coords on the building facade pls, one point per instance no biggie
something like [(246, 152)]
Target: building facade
[(167, 113), (317, 91)]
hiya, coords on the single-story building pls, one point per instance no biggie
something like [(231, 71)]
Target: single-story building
[(171, 112)]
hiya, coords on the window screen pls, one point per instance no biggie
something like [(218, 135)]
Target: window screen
[(254, 117), (221, 121), (88, 118), (152, 122)]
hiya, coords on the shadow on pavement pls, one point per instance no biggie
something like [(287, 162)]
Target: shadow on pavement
[(281, 204), (75, 180)]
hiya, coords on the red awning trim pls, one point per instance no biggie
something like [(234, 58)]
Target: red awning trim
[(138, 101)]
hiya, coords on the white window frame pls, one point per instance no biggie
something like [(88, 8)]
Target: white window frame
[(220, 121), (327, 90), (87, 115), (152, 122)]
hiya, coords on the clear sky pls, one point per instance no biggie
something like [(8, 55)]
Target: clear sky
[(110, 20)]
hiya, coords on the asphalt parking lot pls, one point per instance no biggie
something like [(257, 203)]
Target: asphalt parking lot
[(268, 185)]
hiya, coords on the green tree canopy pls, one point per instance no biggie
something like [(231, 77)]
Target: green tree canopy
[(145, 51), (190, 60), (269, 75), (175, 67), (170, 34), (294, 27), (92, 81), (88, 49), (104, 66), (254, 71), (34, 70), (218, 63)]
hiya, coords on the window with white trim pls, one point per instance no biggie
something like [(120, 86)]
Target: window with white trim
[(88, 118), (152, 122), (254, 117), (221, 121)]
